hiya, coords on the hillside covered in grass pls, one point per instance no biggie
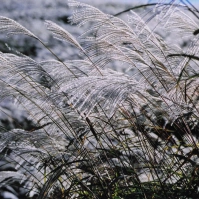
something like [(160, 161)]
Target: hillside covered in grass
[(111, 113)]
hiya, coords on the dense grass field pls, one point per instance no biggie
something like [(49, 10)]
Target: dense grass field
[(120, 122)]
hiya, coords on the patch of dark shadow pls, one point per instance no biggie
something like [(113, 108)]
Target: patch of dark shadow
[(21, 17), (64, 19), (26, 124), (3, 47), (185, 43), (196, 32), (30, 51), (6, 124), (26, 47)]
